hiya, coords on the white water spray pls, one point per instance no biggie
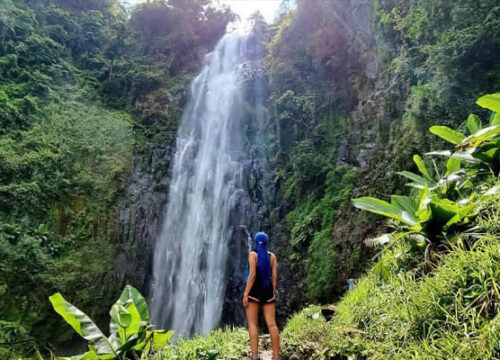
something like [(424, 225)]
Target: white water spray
[(206, 181)]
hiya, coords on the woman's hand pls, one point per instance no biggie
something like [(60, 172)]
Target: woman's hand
[(245, 300)]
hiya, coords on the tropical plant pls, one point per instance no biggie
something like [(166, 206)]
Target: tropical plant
[(481, 148), (453, 179), (425, 214), (131, 334), (439, 211), (438, 208)]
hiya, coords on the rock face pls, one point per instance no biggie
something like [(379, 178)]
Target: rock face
[(141, 208), (140, 216)]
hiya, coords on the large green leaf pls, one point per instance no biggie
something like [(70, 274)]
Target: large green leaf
[(409, 204), (422, 168), (452, 166), (82, 324), (91, 355), (423, 212), (135, 324), (131, 294), (120, 321), (393, 210), (491, 102), (448, 134), (126, 322), (120, 315), (460, 155), (443, 210), (418, 181), (161, 339), (473, 123), (495, 119), (481, 136)]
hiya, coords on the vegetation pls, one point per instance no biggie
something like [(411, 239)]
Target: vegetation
[(230, 344), (88, 90), (377, 78), (82, 89), (129, 327)]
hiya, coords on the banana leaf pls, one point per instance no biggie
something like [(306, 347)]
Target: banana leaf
[(82, 324), (131, 294), (459, 155), (125, 326), (418, 181)]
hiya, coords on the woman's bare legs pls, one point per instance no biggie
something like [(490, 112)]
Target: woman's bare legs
[(269, 315), (252, 311)]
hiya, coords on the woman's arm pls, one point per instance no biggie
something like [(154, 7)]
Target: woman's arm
[(252, 267), (275, 273)]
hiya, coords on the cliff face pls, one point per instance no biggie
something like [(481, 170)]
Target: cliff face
[(140, 210)]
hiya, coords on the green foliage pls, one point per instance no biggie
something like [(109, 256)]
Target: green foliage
[(312, 220), (448, 314), (80, 84), (64, 158), (434, 212), (129, 327), (482, 147), (228, 344)]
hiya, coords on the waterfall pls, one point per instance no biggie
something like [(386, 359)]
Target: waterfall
[(187, 291)]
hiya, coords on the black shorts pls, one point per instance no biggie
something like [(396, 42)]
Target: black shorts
[(262, 295)]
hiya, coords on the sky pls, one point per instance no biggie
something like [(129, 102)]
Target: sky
[(244, 8)]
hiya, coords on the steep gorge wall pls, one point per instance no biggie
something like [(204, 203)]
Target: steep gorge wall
[(354, 86)]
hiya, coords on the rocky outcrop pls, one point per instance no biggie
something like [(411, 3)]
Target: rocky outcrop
[(141, 208)]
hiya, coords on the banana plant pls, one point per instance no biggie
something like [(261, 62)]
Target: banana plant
[(131, 334), (481, 148)]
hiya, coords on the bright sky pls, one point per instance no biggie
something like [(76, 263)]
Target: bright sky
[(244, 8)]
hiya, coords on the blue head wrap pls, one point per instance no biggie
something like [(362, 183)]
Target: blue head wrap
[(263, 261)]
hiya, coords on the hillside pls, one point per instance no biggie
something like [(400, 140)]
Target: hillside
[(338, 97)]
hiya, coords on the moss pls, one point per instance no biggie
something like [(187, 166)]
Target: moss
[(311, 223)]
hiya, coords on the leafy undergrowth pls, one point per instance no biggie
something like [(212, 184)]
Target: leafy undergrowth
[(448, 313)]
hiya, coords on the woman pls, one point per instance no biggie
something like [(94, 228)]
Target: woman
[(259, 292)]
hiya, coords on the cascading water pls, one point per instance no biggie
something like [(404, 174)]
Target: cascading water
[(206, 182)]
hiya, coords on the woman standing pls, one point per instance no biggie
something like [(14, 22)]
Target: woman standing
[(260, 293)]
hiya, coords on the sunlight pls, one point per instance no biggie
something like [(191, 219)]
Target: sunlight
[(244, 8)]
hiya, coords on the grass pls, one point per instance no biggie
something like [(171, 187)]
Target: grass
[(449, 313), (229, 344)]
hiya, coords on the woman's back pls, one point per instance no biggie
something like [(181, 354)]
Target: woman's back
[(263, 290), (259, 293)]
